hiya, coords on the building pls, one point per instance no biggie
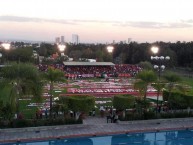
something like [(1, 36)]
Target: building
[(75, 39), (62, 40), (57, 40)]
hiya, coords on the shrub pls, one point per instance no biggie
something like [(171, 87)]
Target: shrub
[(149, 115), (20, 123), (80, 103), (122, 102)]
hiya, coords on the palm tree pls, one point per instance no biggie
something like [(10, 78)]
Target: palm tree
[(144, 79), (53, 75), (22, 79), (159, 87)]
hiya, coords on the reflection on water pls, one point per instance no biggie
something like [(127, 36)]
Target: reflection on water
[(180, 137)]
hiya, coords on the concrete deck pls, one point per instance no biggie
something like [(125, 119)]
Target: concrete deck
[(92, 126)]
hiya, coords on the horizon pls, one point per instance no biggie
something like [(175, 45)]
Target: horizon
[(107, 43), (97, 21)]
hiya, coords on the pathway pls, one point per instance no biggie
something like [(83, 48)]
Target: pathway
[(92, 126)]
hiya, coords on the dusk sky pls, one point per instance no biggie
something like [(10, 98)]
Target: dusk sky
[(97, 21)]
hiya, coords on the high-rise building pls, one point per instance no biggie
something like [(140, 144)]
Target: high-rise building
[(62, 40), (57, 40), (75, 39)]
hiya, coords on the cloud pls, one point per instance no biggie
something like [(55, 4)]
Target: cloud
[(61, 21), (137, 24), (187, 21), (29, 19), (156, 25)]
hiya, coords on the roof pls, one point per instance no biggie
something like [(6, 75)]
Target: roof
[(76, 63)]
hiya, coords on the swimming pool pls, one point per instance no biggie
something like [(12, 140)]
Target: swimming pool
[(178, 137)]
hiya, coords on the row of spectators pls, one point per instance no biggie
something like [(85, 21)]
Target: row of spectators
[(116, 70)]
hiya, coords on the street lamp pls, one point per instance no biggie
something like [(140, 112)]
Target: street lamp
[(160, 59)]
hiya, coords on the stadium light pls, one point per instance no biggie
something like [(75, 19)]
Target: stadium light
[(6, 46), (62, 47), (110, 49)]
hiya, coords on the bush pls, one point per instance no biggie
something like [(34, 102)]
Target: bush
[(5, 123), (181, 115), (122, 102), (178, 100), (149, 115), (167, 115), (131, 116), (20, 123), (175, 115), (80, 103)]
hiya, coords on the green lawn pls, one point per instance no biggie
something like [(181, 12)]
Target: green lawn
[(188, 81), (29, 112)]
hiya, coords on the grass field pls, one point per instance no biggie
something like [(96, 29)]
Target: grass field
[(29, 112), (188, 81)]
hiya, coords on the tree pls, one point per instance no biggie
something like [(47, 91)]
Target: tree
[(21, 54), (62, 106), (172, 79), (146, 65), (53, 75), (122, 102), (143, 80), (47, 49), (80, 103), (23, 80), (159, 87)]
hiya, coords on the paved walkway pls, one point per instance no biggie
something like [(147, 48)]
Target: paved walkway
[(92, 126), (95, 120)]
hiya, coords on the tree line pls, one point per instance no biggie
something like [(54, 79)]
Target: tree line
[(132, 53)]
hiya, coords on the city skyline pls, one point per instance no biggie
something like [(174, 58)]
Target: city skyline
[(97, 21)]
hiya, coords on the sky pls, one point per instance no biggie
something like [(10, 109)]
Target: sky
[(97, 21)]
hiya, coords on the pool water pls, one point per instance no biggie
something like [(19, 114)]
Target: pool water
[(179, 137)]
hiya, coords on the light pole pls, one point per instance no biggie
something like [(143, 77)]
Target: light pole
[(160, 60), (159, 67)]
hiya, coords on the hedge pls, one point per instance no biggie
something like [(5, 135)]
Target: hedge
[(80, 103), (20, 123), (122, 102), (178, 100)]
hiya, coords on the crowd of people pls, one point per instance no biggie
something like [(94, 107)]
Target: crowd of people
[(119, 70)]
